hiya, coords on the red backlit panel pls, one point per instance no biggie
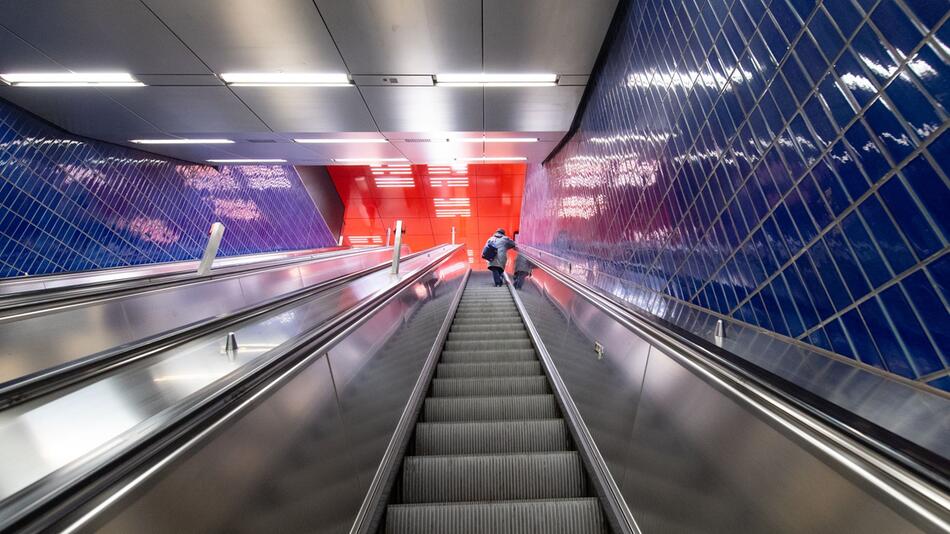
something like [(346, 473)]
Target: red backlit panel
[(430, 200)]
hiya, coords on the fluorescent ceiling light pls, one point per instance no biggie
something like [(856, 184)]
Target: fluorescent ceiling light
[(238, 160), (342, 140), (245, 79), (367, 161), (71, 79), (181, 141), (500, 158), (497, 139), (496, 80)]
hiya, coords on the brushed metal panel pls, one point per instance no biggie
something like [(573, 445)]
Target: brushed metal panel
[(16, 55), (426, 109), (33, 343), (560, 36), (531, 108), (309, 109), (285, 466), (191, 110), (253, 36), (700, 462), (406, 37), (100, 35), (83, 111), (606, 390)]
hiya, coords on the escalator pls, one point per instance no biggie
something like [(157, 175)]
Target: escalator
[(491, 452)]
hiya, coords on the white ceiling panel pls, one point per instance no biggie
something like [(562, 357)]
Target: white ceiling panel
[(82, 111), (109, 35), (406, 36), (516, 109), (253, 35), (358, 150), (438, 151), (559, 36), (192, 110), (425, 109), (309, 109)]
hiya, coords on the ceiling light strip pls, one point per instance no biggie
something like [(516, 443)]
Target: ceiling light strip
[(70, 79), (299, 79), (181, 141), (248, 160), (341, 141)]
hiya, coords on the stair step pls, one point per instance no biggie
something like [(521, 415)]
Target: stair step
[(493, 477), (488, 344), (487, 369), (486, 437), (494, 335), (489, 408), (473, 356), (478, 387), (550, 516)]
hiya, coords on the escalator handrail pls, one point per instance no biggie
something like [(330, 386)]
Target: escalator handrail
[(43, 382), (40, 301), (917, 480), (182, 427)]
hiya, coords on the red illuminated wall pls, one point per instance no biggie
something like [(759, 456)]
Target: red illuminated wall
[(430, 200)]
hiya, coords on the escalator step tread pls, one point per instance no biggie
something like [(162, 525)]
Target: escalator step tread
[(550, 516), (460, 356), (486, 437), (488, 344), (497, 335), (475, 387), (488, 369), (493, 477), (490, 408), (486, 327)]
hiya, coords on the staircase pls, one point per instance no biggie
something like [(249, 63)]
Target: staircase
[(491, 452)]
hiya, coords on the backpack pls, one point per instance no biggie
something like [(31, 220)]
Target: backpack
[(489, 252)]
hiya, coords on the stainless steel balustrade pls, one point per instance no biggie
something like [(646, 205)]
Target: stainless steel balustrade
[(34, 344), (299, 451), (137, 274), (691, 445), (366, 385)]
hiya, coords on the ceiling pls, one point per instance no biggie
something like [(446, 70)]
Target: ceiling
[(177, 47), (475, 199)]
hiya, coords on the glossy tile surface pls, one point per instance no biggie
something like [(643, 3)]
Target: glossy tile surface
[(777, 163), (70, 204)]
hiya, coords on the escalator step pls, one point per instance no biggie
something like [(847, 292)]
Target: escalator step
[(477, 387), (493, 477), (486, 437), (490, 369), (490, 408), (467, 356), (497, 335), (552, 516), (488, 344), (486, 327)]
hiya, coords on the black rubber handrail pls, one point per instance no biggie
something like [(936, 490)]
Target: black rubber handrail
[(38, 300), (930, 468), (48, 380), (59, 499)]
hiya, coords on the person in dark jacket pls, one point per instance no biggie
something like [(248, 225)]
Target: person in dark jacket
[(497, 265)]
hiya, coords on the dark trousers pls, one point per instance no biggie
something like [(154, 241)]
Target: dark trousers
[(497, 276)]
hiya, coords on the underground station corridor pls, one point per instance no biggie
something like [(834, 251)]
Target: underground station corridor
[(475, 266)]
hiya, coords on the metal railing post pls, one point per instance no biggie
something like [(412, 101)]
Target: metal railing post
[(397, 247), (453, 235), (211, 249), (389, 234)]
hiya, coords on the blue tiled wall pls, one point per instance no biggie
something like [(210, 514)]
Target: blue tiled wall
[(784, 164), (71, 204)]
